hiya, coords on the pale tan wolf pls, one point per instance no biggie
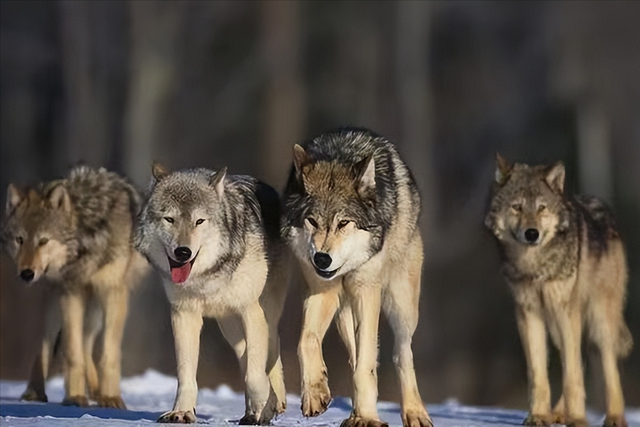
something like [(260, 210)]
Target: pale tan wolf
[(77, 233), (215, 241), (565, 264), (351, 217)]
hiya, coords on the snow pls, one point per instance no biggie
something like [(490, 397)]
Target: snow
[(150, 394)]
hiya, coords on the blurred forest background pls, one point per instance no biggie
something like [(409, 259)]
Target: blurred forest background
[(232, 83)]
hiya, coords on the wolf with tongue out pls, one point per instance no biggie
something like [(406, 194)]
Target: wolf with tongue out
[(215, 241)]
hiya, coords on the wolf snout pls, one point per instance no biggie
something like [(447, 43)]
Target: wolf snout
[(322, 260), (182, 253), (27, 275), (531, 235)]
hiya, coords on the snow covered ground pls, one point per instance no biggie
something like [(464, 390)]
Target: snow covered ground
[(150, 394)]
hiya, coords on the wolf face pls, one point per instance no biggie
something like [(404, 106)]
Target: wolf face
[(335, 231), (528, 206), (182, 215), (38, 232)]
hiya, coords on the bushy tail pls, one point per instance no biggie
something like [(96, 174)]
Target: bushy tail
[(625, 341)]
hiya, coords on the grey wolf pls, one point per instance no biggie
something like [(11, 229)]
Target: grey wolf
[(77, 233), (350, 215), (215, 241), (565, 264)]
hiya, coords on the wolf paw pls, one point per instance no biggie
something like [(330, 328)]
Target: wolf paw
[(354, 421), (416, 419), (557, 418), (81, 401), (110, 402), (30, 395), (615, 421), (281, 407), (315, 400), (178, 417), (252, 420), (537, 420), (577, 422)]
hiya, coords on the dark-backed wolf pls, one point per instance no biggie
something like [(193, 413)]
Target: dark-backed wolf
[(215, 241), (565, 263), (350, 215), (77, 233)]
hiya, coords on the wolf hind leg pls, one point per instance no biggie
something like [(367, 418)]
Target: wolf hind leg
[(44, 359), (233, 332), (605, 332), (92, 326)]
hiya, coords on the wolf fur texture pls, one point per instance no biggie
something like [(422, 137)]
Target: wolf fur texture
[(351, 212), (215, 241), (77, 233), (565, 264)]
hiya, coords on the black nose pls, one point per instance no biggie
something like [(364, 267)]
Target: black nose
[(322, 260), (183, 253), (27, 275), (531, 234)]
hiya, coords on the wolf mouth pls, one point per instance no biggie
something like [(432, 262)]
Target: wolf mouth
[(326, 274), (180, 271)]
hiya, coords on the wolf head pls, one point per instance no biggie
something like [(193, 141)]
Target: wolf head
[(528, 205), (333, 226), (180, 228), (38, 231)]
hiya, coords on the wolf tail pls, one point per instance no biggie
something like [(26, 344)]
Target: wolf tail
[(625, 341)]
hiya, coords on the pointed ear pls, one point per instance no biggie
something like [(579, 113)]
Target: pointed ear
[(14, 197), (503, 169), (158, 171), (59, 198), (217, 181), (555, 177), (366, 178), (300, 160)]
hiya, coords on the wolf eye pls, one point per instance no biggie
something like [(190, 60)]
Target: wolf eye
[(19, 240), (43, 241), (542, 208), (200, 221), (516, 207), (342, 224), (313, 222), (168, 219)]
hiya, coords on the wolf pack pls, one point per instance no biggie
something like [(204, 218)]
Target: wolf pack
[(223, 245)]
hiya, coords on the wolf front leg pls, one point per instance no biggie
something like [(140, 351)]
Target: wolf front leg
[(365, 302), (72, 307), (534, 342), (570, 324), (186, 323), (318, 312)]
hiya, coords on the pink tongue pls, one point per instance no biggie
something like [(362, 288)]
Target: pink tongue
[(181, 274)]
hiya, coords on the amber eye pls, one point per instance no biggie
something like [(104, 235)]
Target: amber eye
[(342, 224), (168, 219), (200, 221), (313, 222), (516, 207), (19, 240), (43, 241)]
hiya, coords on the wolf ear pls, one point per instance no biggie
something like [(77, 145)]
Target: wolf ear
[(300, 160), (158, 171), (14, 197), (217, 181), (59, 199), (366, 178), (503, 169), (555, 177)]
